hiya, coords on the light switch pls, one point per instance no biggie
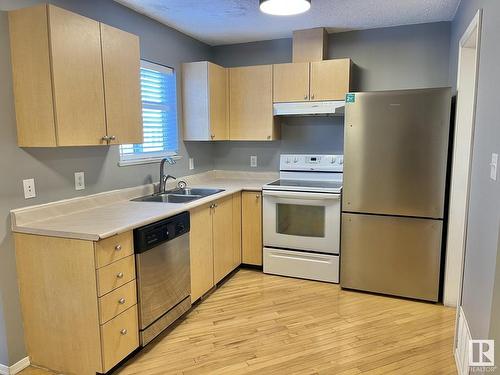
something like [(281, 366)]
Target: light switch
[(493, 166), (253, 161), (29, 188), (79, 180)]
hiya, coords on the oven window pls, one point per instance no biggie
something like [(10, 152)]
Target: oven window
[(300, 220)]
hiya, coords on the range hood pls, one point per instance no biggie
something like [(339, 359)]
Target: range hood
[(327, 108)]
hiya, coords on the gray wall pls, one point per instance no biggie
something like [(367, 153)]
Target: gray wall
[(53, 169), (389, 58), (484, 209)]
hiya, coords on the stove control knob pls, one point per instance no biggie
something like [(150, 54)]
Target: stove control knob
[(341, 160), (334, 160), (287, 161), (295, 160)]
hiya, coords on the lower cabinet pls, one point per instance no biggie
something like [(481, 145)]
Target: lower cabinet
[(78, 300), (215, 243), (251, 224)]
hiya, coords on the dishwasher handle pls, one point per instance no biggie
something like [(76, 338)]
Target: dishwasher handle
[(155, 234)]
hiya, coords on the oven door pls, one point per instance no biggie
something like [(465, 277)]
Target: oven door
[(302, 221)]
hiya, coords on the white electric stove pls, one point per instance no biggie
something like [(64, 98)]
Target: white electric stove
[(301, 218)]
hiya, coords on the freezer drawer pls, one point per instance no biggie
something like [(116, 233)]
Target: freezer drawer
[(321, 267), (396, 150), (391, 255)]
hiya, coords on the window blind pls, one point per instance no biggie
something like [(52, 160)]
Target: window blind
[(159, 115)]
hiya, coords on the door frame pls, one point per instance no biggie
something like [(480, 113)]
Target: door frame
[(455, 258)]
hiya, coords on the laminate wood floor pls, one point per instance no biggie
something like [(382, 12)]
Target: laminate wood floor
[(262, 324)]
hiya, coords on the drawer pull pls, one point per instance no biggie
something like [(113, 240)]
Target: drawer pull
[(119, 275), (124, 331), (121, 301), (118, 247)]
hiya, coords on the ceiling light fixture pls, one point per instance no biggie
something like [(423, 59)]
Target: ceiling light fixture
[(284, 7)]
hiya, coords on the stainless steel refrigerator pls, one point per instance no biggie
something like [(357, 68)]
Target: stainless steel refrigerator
[(395, 163)]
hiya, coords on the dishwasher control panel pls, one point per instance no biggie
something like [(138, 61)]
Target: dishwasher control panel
[(154, 234)]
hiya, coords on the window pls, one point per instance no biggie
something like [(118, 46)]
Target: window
[(159, 116)]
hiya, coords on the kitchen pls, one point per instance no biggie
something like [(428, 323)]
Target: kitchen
[(391, 58)]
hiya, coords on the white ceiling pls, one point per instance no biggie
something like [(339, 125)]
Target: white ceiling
[(235, 21)]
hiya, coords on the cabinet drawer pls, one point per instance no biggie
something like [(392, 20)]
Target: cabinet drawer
[(119, 337), (115, 275), (117, 301), (114, 248)]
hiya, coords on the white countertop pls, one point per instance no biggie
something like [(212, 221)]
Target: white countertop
[(103, 215)]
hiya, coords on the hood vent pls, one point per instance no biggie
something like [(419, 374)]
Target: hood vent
[(328, 108)]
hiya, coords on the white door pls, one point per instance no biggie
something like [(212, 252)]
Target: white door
[(302, 221)]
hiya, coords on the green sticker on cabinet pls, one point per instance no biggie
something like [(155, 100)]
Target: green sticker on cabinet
[(350, 98)]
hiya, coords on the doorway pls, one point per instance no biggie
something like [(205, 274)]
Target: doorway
[(468, 67)]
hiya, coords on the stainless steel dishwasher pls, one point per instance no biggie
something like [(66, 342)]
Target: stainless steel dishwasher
[(163, 274)]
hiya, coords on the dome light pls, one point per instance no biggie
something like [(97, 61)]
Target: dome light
[(284, 7)]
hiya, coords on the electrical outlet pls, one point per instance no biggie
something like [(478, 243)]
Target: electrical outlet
[(253, 161), (79, 180), (29, 188), (493, 166), (191, 163)]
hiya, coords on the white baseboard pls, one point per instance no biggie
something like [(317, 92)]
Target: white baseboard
[(15, 368), (462, 348)]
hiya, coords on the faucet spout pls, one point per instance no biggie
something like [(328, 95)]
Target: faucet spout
[(163, 178)]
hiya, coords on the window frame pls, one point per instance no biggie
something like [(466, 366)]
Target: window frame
[(153, 157)]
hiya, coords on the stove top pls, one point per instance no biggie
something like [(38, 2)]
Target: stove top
[(305, 185), (309, 173)]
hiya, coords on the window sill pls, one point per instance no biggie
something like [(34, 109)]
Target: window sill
[(127, 163)]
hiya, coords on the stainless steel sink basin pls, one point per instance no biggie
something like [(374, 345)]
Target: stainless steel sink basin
[(168, 198), (204, 192), (179, 195)]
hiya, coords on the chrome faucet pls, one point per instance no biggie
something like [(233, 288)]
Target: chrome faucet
[(163, 178)]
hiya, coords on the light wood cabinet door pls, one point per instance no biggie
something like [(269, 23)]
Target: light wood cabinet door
[(223, 238), (77, 78), (236, 230), (121, 67), (330, 79), (219, 100), (251, 223), (291, 82), (251, 103), (201, 251), (32, 80), (205, 97)]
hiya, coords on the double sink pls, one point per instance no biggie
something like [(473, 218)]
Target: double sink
[(183, 195)]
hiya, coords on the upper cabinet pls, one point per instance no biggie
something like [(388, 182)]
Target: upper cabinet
[(315, 81), (121, 62), (251, 104), (291, 82), (330, 79), (76, 81), (205, 102)]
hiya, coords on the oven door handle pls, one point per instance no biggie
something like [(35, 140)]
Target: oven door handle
[(299, 195)]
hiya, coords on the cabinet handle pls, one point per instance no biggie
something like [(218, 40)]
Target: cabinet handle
[(312, 96), (306, 96), (105, 138), (268, 137), (119, 275), (215, 205), (124, 331), (121, 301), (112, 138), (212, 136), (257, 196), (118, 247)]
